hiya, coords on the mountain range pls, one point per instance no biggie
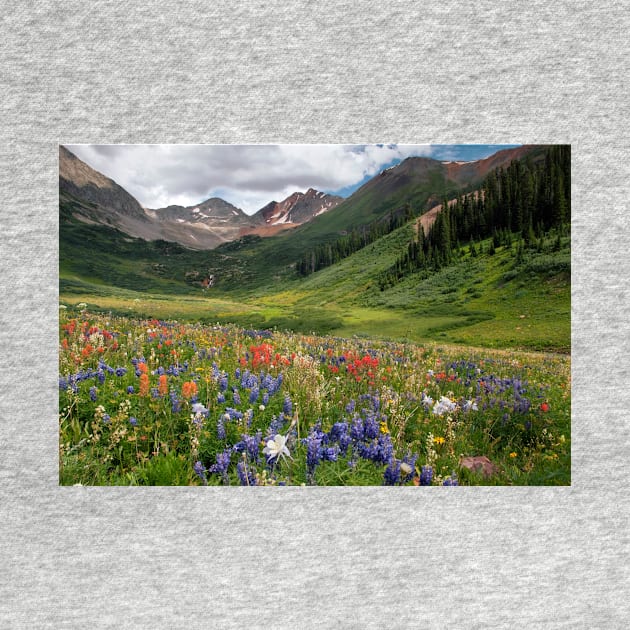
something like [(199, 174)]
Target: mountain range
[(93, 198), (96, 199)]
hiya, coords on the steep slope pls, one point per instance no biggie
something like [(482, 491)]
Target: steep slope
[(97, 199), (297, 208), (421, 182)]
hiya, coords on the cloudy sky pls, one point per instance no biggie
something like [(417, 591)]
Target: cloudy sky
[(250, 176)]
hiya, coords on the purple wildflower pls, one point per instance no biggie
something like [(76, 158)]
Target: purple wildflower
[(287, 407), (451, 481), (246, 476), (221, 467), (426, 475), (200, 471), (392, 473)]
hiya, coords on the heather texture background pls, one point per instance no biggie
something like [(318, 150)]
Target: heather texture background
[(231, 72)]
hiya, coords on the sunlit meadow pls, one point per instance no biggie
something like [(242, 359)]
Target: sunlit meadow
[(148, 402)]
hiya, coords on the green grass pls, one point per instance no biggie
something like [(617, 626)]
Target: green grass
[(487, 300)]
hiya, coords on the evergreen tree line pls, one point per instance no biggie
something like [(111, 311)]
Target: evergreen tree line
[(328, 254), (525, 198)]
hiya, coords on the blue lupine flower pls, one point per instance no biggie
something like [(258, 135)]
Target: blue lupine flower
[(223, 383), (357, 430), (93, 395), (220, 398), (63, 383), (130, 389), (313, 453), (200, 471), (253, 396), (121, 371), (371, 427), (287, 407), (176, 404), (276, 425), (250, 444), (392, 473), (340, 434), (106, 418), (221, 428), (233, 414), (426, 475), (380, 450), (245, 476), (133, 421), (222, 465), (451, 481), (265, 398), (236, 398)]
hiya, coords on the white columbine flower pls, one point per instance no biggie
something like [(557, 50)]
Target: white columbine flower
[(276, 448), (443, 406)]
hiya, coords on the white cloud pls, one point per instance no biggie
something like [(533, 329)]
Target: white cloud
[(248, 176)]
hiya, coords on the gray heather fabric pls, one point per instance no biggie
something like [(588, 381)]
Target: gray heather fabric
[(300, 72)]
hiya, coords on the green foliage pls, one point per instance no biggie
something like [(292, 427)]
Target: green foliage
[(166, 470), (510, 200)]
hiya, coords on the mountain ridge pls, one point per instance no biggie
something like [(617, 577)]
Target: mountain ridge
[(97, 199)]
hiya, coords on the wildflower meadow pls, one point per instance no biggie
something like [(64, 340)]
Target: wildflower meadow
[(149, 402)]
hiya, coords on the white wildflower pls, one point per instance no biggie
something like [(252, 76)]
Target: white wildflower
[(444, 405), (276, 448)]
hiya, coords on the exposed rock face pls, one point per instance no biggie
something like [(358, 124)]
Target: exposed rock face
[(79, 180), (297, 208)]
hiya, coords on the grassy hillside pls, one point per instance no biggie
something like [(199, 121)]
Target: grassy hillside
[(484, 300)]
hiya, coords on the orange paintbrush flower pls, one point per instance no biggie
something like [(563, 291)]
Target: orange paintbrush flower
[(163, 385), (144, 384), (189, 389)]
